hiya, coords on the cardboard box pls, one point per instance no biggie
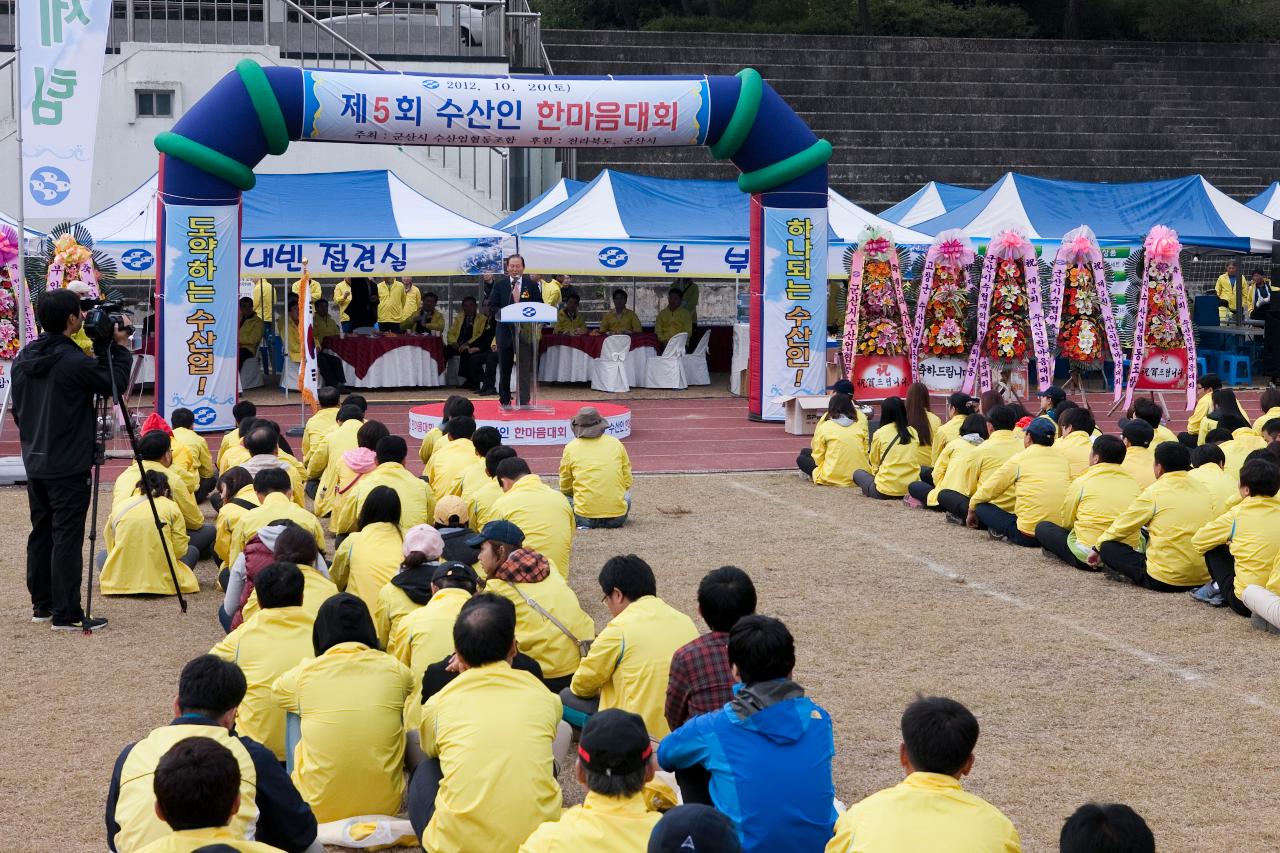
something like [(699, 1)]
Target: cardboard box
[(801, 413)]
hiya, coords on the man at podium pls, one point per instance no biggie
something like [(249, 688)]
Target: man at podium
[(512, 288)]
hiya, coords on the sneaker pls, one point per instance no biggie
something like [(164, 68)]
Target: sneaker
[(1263, 625), (1217, 600), (86, 623), (1112, 575), (912, 502), (951, 519), (998, 537), (1205, 593), (39, 614)]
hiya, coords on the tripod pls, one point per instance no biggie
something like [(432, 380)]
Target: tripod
[(103, 406)]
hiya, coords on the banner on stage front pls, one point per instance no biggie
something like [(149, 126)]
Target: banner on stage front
[(876, 377), (198, 332), (1163, 370), (439, 109), (794, 321), (63, 48)]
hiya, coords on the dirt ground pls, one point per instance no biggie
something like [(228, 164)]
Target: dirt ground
[(1086, 689)]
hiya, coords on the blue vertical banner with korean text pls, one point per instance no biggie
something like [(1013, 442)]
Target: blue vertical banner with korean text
[(198, 334), (63, 48), (794, 311)]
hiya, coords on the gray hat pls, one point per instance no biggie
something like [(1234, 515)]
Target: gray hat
[(588, 423)]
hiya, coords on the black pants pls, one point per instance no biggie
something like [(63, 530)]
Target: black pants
[(55, 558), (1053, 538), (926, 475), (956, 504), (1222, 568), (423, 788), (695, 785), (1271, 341), (506, 358), (331, 372), (920, 490), (243, 355), (1004, 523), (805, 462), (206, 486), (866, 481), (1131, 563)]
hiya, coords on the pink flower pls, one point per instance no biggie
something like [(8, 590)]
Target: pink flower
[(876, 246), (1009, 244), (8, 245), (1162, 244)]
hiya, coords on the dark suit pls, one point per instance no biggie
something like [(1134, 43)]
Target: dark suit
[(500, 297)]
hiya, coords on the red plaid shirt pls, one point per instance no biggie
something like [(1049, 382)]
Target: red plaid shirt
[(701, 678)]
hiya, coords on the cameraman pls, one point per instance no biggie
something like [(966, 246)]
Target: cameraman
[(54, 384)]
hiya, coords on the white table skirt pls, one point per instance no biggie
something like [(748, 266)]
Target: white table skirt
[(569, 364), (402, 367)]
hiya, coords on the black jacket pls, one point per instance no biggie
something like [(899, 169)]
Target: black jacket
[(53, 387), (500, 297)]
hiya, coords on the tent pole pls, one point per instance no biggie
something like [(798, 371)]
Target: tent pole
[(22, 295)]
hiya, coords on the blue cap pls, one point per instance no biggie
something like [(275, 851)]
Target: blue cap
[(1041, 428), (497, 531)]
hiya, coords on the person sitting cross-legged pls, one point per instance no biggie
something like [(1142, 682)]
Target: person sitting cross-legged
[(235, 497), (1113, 828), (541, 512), (323, 422), (326, 451), (956, 467), (454, 404), (274, 491), (1242, 544), (141, 559), (452, 457), (1153, 413), (410, 588), (293, 544), (838, 447), (425, 635), (473, 476), (1093, 500), (595, 473), (615, 760), (452, 522), (1000, 445), (183, 433), (938, 737), (352, 468), (485, 495), (155, 449), (1210, 471), (1037, 477), (1076, 426), (369, 558), (416, 500), (262, 449), (894, 458), (1139, 461)]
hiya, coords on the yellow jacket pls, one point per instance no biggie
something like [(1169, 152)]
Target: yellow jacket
[(895, 465), (538, 637), (127, 483), (1224, 488), (1252, 530), (1038, 479), (499, 779), (450, 459), (612, 324), (1203, 405), (189, 840), (430, 442), (630, 661), (390, 301), (1162, 435), (1269, 414), (342, 298), (455, 329), (425, 636), (601, 824), (1076, 448), (326, 459), (135, 558), (238, 456), (265, 646), (313, 289), (917, 813), (367, 560), (944, 433), (350, 758), (482, 503), (199, 448), (543, 515), (264, 299), (291, 336), (316, 589), (393, 605), (596, 473), (1224, 288), (1140, 462), (1095, 499), (671, 323), (566, 324), (323, 328), (956, 469), (998, 449), (320, 424), (1243, 442), (1172, 509), (838, 451), (186, 465), (435, 323), (412, 305), (416, 501), (275, 506), (551, 291), (228, 517)]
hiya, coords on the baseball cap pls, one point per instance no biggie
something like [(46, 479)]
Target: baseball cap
[(423, 539), (455, 572), (614, 741), (497, 531), (694, 829), (1054, 393), (1041, 428), (450, 506)]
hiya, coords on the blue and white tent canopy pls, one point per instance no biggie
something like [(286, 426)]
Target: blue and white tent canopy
[(1267, 201), (344, 223), (563, 190), (32, 236), (1044, 210), (931, 200)]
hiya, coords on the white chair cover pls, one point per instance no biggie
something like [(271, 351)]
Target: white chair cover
[(609, 371), (251, 374), (695, 363), (667, 370)]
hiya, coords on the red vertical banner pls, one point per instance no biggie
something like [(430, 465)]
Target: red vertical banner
[(755, 365)]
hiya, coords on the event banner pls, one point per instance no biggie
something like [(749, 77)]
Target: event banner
[(1163, 370), (63, 47), (440, 109), (198, 334), (637, 257), (878, 377), (794, 318)]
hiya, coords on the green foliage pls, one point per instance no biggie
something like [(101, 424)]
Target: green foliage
[(978, 19)]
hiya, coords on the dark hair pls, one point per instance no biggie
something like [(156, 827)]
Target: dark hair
[(615, 785), (841, 405), (484, 439), (328, 396), (182, 418), (1260, 476), (974, 423), (939, 734), (1149, 411), (244, 299), (459, 405), (157, 482), (1217, 435), (210, 686), (1269, 399), (1110, 449), (762, 649), (381, 505), (446, 583), (196, 783), (1173, 456), (467, 299), (1231, 422), (1208, 454), (431, 294), (462, 426), (988, 400), (1225, 402), (512, 469), (618, 292), (677, 291), (918, 412), (295, 544), (391, 448), (235, 479), (1209, 380), (280, 584), (629, 575), (496, 457), (343, 618), (154, 445), (893, 412), (572, 294), (349, 412), (1138, 433), (1079, 419), (1003, 417), (1112, 828), (247, 423), (244, 409), (370, 434), (356, 400), (56, 306), (507, 261), (270, 480), (725, 595), (1271, 427), (961, 404), (262, 440), (281, 441), (485, 629)]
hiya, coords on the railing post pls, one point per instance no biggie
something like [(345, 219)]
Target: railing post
[(266, 21), (128, 19)]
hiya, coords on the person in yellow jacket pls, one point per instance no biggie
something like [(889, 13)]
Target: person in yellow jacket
[(1233, 291), (1243, 441), (266, 646), (673, 319), (416, 501), (486, 494), (1037, 477), (260, 448), (369, 558), (425, 635), (1093, 501), (413, 304), (275, 502), (1241, 545), (410, 588), (155, 450), (838, 447), (1225, 406), (342, 298), (938, 738), (264, 300), (1171, 509), (1139, 461), (921, 418), (523, 576), (1150, 411), (183, 421), (452, 457), (621, 320), (1209, 462), (185, 462), (454, 404), (323, 422), (134, 562), (956, 468), (595, 473), (1002, 442), (391, 296), (326, 455), (1269, 402), (249, 332), (353, 467), (313, 289), (429, 318), (537, 509), (630, 661), (235, 488), (569, 320), (959, 407), (349, 698), (1076, 426), (615, 760), (292, 545), (1206, 384), (894, 459), (241, 412), (552, 287)]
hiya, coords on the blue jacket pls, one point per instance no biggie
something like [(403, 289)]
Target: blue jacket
[(769, 753)]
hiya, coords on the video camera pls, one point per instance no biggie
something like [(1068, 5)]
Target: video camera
[(101, 320)]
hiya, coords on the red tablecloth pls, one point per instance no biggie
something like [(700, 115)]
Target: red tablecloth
[(593, 344), (361, 351)]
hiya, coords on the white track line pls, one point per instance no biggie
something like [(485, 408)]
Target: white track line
[(983, 588)]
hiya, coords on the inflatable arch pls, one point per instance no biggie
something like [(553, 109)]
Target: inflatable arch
[(207, 161)]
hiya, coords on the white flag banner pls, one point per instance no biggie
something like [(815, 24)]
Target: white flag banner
[(309, 369), (63, 47)]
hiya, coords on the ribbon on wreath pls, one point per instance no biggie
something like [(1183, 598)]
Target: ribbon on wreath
[(1081, 245), (978, 371), (1162, 247), (874, 246), (1009, 245), (904, 329), (849, 348)]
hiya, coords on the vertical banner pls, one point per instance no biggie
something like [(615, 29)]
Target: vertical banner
[(63, 48), (198, 334), (309, 369), (793, 318)]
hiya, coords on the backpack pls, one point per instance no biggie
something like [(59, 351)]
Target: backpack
[(257, 556)]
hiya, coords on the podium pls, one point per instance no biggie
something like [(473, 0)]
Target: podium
[(527, 317)]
